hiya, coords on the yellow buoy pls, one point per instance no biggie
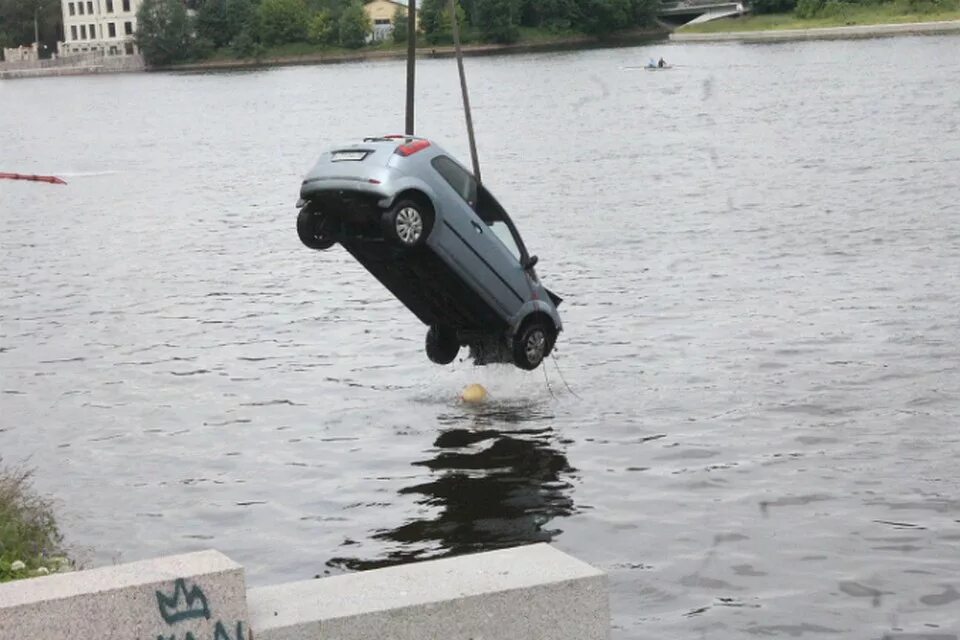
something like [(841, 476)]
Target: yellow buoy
[(474, 394)]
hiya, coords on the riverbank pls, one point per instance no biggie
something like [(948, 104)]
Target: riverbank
[(319, 56), (825, 33), (833, 20), (30, 540)]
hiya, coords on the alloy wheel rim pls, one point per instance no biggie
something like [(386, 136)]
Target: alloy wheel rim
[(409, 225), (535, 346)]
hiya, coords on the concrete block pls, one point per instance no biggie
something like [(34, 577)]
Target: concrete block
[(195, 596), (526, 593)]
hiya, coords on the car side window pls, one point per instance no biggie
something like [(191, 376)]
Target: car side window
[(462, 182), (493, 214), (481, 201)]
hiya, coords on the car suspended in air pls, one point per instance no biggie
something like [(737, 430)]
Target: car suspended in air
[(439, 241)]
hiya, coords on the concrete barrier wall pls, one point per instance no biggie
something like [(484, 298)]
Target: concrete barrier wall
[(525, 593), (197, 596)]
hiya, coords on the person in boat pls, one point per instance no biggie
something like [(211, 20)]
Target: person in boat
[(661, 63)]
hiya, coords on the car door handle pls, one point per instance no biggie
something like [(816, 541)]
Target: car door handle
[(477, 227)]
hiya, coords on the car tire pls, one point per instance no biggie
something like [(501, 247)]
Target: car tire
[(407, 224), (313, 227), (533, 343), (442, 345)]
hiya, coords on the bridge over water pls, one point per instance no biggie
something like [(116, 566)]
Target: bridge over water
[(675, 13)]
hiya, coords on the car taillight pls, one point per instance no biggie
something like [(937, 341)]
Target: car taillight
[(412, 147)]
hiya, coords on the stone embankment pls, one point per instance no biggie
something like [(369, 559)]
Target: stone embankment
[(825, 33), (570, 43), (526, 593), (71, 66)]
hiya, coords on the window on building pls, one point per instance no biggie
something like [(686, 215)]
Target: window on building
[(73, 32), (73, 9), (111, 29), (109, 6), (83, 32), (382, 21), (113, 51), (90, 7), (93, 32), (128, 28), (128, 48), (80, 8), (126, 5)]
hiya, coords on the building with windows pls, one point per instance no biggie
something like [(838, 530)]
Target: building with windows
[(106, 27), (381, 14)]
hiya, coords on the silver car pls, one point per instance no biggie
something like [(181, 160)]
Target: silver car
[(439, 241)]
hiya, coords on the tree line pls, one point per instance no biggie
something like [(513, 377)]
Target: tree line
[(167, 34), (18, 17)]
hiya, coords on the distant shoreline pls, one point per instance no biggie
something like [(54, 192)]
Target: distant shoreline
[(567, 43), (823, 33)]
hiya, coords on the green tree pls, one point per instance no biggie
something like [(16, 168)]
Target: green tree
[(354, 26), (244, 45), (435, 21), (17, 23), (163, 32), (550, 14), (211, 22), (644, 12), (497, 20), (322, 28), (400, 24), (602, 17), (242, 17), (283, 21), (772, 6), (333, 7)]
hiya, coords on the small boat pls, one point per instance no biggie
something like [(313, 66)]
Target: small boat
[(33, 178)]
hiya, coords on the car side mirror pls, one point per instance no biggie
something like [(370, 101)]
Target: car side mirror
[(530, 262)]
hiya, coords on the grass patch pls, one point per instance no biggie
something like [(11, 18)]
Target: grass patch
[(30, 541), (841, 14)]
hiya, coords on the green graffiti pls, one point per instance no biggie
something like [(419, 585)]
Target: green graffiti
[(194, 603), (220, 633)]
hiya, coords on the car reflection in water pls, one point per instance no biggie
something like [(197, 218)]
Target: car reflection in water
[(494, 487)]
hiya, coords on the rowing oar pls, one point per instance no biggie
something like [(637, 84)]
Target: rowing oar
[(22, 176)]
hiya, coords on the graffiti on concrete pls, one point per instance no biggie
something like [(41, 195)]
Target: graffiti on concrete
[(191, 604), (194, 603)]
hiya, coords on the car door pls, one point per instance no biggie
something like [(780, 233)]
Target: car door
[(505, 237), (482, 256)]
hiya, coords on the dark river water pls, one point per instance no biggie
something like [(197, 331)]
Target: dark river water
[(759, 252)]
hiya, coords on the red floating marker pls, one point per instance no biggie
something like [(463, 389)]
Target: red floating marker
[(22, 176)]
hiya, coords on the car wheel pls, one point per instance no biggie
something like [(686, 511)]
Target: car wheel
[(314, 229), (532, 344), (442, 345), (408, 223)]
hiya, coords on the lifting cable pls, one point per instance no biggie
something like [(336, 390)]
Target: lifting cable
[(411, 77), (463, 89)]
